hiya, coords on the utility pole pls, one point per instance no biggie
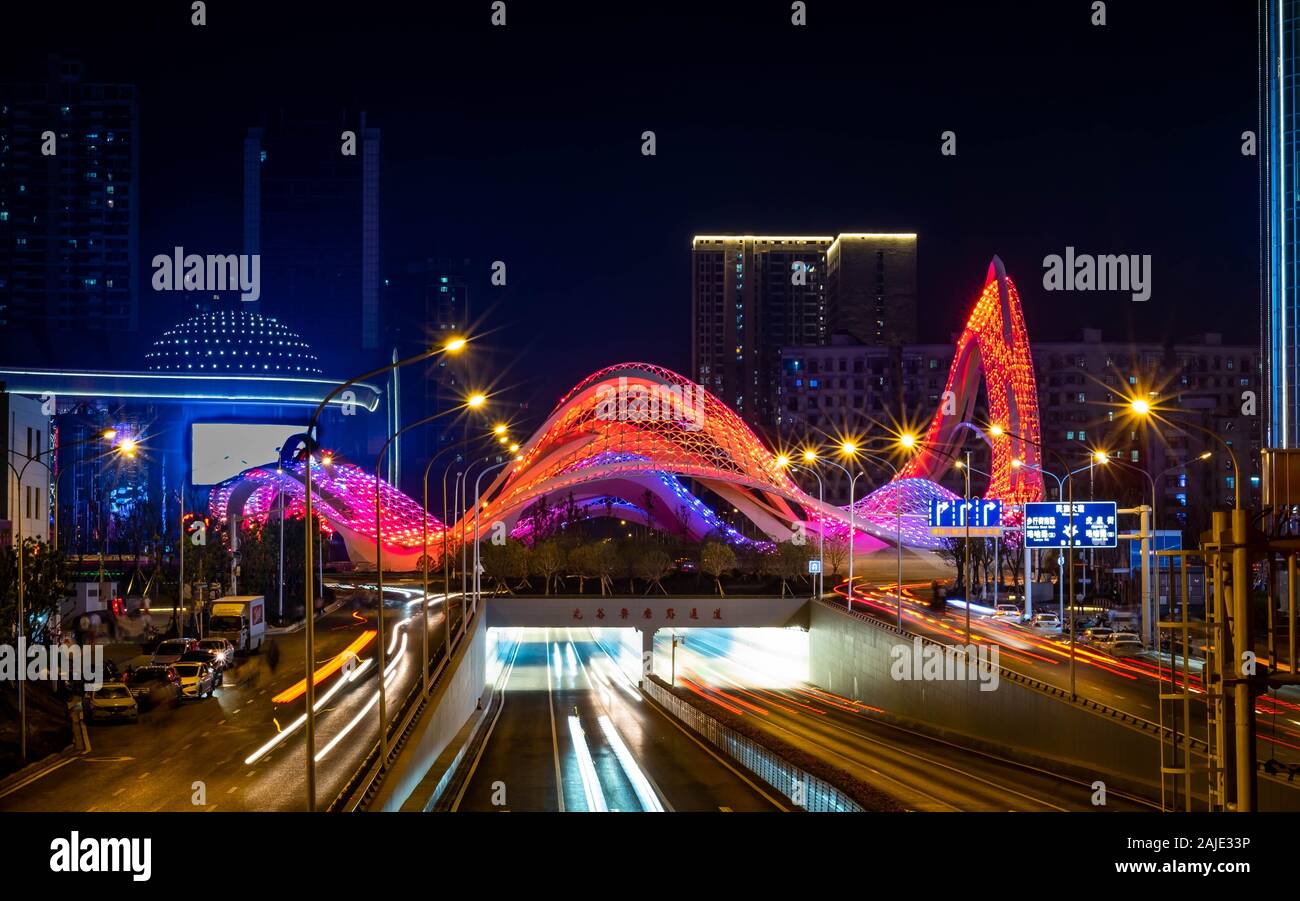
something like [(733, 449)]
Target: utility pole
[(966, 518)]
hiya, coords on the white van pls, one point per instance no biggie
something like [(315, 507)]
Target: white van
[(242, 620)]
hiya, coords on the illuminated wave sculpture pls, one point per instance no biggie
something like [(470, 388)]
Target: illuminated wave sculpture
[(628, 439)]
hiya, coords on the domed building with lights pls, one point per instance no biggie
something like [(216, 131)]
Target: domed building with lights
[(232, 341), (216, 393)]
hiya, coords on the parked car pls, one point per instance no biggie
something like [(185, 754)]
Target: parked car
[(171, 650), (1047, 622), (211, 658), (154, 685), (1125, 644), (197, 679), (111, 701), (1009, 611), (222, 647)]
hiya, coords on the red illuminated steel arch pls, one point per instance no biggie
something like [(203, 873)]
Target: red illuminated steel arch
[(636, 428), (994, 345)]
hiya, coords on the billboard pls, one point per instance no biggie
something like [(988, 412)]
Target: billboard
[(222, 450)]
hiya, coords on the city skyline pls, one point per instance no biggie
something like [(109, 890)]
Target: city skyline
[(444, 172), (795, 406)]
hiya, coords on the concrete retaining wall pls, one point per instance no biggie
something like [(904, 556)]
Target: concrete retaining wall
[(452, 701), (851, 657)]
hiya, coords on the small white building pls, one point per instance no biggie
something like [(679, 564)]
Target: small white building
[(27, 504)]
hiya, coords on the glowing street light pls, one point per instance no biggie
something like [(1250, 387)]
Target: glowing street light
[(782, 460), (995, 430), (810, 456), (848, 448), (1140, 406), (474, 401), (907, 440), (455, 345), (499, 428)]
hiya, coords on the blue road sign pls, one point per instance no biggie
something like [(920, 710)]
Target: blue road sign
[(982, 516), (1048, 524)]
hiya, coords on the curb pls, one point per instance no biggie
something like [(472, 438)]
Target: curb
[(301, 624), (34, 771)]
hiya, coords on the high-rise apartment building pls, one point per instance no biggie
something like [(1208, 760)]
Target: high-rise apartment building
[(69, 210), (751, 295), (853, 389), (871, 287), (312, 213), (1279, 55)]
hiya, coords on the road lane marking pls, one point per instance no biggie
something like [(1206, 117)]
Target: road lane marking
[(714, 754), (625, 759), (505, 683), (550, 707), (29, 780)]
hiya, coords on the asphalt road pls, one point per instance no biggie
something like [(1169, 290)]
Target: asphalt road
[(574, 734), (204, 754), (1127, 684), (923, 773)]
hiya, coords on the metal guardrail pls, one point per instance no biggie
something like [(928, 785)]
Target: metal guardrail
[(803, 789), (358, 791)]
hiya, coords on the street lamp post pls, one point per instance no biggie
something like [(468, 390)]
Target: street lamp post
[(1147, 589), (1069, 478), (849, 449), (447, 514), (379, 576), (467, 581), (477, 510), (997, 566), (446, 602), (810, 455), (1239, 621), (455, 345), (127, 446)]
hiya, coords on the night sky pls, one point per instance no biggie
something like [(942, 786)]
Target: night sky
[(523, 144)]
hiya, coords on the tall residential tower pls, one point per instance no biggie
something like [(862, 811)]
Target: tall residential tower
[(752, 295)]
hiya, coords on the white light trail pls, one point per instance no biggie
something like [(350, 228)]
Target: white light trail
[(640, 784), (587, 768)]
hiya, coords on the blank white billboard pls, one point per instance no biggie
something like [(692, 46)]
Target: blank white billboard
[(221, 450)]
